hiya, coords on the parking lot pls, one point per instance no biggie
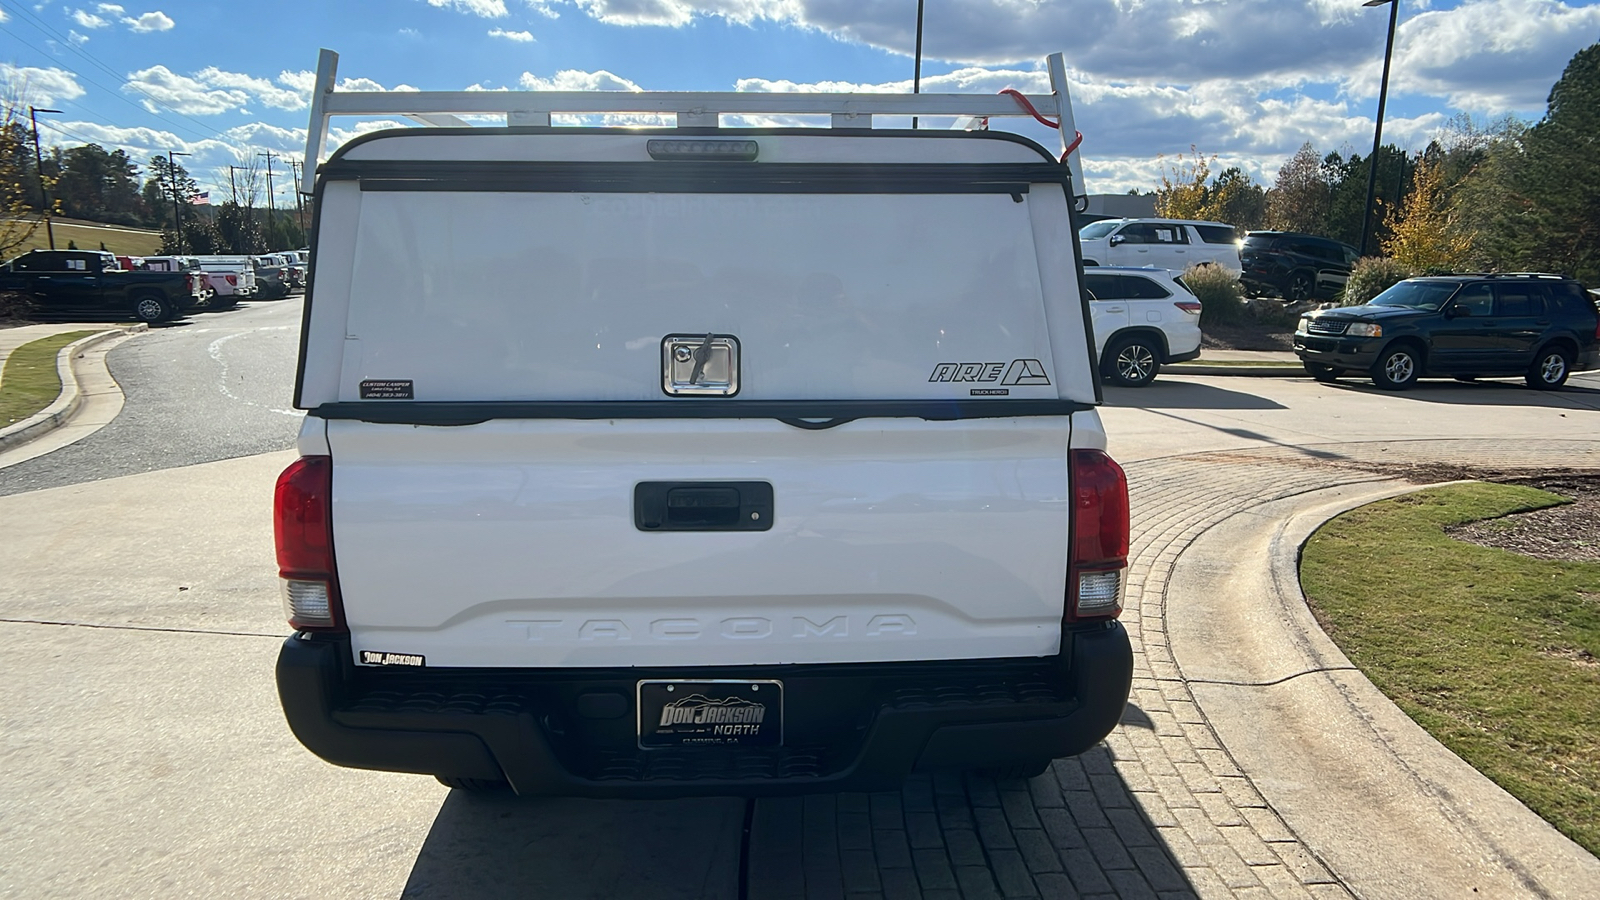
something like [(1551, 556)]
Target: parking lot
[(148, 757)]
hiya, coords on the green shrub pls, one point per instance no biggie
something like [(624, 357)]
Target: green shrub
[(1372, 276), (1221, 296)]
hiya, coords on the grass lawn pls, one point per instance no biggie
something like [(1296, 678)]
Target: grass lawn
[(119, 240), (30, 382), (1493, 652)]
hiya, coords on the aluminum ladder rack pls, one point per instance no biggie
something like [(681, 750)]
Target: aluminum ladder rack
[(692, 109)]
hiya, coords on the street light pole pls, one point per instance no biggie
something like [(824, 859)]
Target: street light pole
[(1377, 133), (177, 212), (916, 70), (38, 158)]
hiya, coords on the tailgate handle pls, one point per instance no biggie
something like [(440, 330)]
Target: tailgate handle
[(702, 506)]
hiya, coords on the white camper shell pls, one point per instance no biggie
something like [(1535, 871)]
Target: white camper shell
[(774, 466)]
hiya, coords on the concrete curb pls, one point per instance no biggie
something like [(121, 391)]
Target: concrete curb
[(66, 403), (1325, 747), (1278, 371)]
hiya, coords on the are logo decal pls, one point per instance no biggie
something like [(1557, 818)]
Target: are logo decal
[(1020, 373)]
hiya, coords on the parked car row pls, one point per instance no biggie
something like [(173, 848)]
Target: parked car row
[(1283, 264), (150, 289)]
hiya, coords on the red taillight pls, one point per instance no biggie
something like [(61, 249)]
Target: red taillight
[(1099, 537), (233, 279), (1188, 306), (303, 529)]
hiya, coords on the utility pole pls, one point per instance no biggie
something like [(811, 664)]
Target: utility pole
[(299, 199), (38, 158), (272, 205), (177, 212), (233, 186)]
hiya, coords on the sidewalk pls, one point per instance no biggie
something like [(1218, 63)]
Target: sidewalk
[(1212, 361), (89, 397), (12, 338)]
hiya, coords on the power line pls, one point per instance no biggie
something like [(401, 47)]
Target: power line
[(143, 111), (68, 43)]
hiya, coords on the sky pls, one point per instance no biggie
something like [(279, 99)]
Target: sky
[(1246, 81)]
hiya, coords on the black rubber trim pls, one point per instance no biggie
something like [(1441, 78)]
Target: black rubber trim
[(695, 177), (705, 131), (790, 412)]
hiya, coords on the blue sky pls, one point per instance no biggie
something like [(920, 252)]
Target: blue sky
[(1247, 80)]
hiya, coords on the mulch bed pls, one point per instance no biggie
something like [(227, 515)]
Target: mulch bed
[(1569, 532)]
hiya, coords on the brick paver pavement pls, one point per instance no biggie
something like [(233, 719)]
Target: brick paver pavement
[(1159, 810)]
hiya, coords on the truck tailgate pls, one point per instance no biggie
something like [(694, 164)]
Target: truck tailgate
[(513, 543)]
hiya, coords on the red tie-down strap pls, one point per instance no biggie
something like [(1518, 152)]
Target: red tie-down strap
[(1022, 101)]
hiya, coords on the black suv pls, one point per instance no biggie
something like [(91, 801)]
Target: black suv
[(1462, 326), (1294, 266)]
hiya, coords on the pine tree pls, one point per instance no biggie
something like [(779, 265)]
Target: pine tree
[(1560, 174)]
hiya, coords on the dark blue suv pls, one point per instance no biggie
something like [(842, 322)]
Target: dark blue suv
[(1542, 327)]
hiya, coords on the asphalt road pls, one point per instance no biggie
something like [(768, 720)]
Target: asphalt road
[(210, 387)]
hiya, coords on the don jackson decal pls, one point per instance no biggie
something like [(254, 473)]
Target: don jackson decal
[(379, 658)]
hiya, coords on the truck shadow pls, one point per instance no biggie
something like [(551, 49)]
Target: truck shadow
[(499, 845), (1078, 829), (1162, 394)]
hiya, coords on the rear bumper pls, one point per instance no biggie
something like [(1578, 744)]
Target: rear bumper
[(1183, 357), (572, 732)]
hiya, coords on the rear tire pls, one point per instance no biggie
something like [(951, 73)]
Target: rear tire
[(152, 308), (1550, 369), (1397, 368), (1325, 374), (1300, 287), (1133, 362)]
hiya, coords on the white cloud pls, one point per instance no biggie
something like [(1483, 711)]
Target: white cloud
[(261, 89), (521, 37), (4, 16), (150, 21), (1483, 55), (88, 19), (39, 87), (76, 38), (1490, 56), (488, 9), (111, 8), (160, 87), (574, 80), (544, 8)]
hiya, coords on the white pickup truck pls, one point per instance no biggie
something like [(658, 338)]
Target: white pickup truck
[(777, 469)]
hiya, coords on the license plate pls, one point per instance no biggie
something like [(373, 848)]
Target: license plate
[(710, 713)]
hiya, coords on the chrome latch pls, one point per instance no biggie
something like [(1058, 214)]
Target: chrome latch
[(700, 365)]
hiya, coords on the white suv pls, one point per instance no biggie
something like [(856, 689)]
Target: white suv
[(1142, 319), (1168, 243)]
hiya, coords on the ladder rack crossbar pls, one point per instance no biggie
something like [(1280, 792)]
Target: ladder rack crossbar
[(444, 108), (407, 103)]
